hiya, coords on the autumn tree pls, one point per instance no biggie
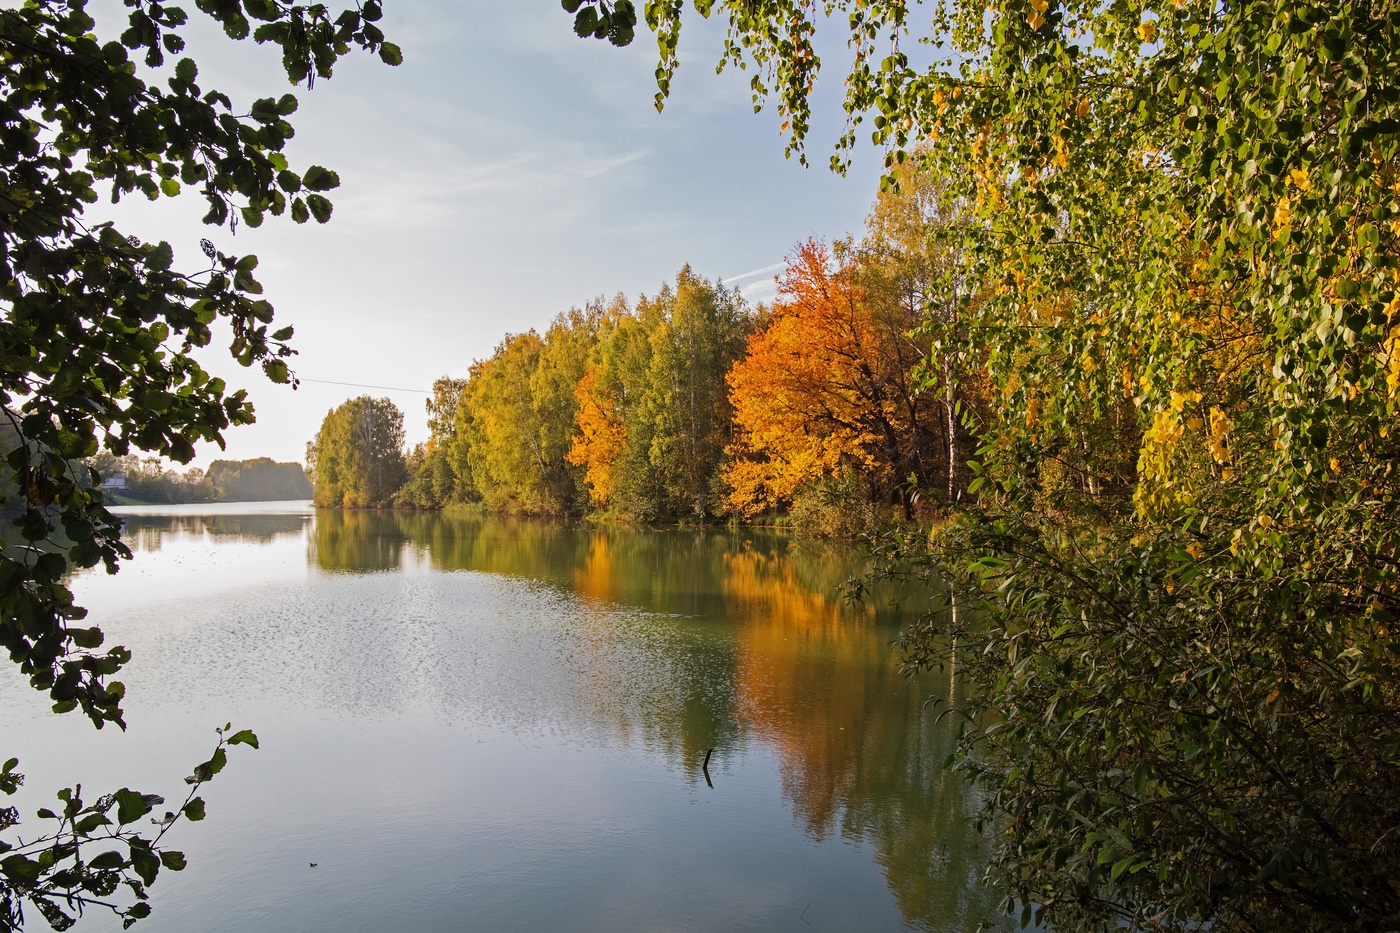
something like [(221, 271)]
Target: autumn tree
[(602, 400), (356, 460), (829, 385), (917, 288)]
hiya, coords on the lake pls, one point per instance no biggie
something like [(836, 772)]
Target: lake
[(500, 725)]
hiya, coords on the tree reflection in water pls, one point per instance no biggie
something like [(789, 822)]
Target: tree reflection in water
[(757, 646)]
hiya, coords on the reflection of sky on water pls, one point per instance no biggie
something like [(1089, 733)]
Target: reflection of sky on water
[(514, 743)]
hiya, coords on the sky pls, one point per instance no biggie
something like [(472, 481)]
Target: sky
[(506, 171)]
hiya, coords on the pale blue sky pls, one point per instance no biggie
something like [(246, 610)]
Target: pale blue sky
[(506, 171)]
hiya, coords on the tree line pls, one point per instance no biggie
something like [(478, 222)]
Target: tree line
[(692, 405), (149, 481)]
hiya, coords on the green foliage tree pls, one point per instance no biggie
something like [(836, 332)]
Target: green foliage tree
[(150, 481), (700, 332), (432, 483), (356, 460), (1181, 222), (499, 444)]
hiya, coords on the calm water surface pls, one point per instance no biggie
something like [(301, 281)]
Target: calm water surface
[(496, 725)]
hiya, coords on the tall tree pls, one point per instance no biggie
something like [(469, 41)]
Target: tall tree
[(829, 385), (431, 481), (516, 416), (916, 288), (700, 333), (356, 460), (613, 443)]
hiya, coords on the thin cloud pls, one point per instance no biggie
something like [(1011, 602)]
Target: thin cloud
[(766, 270)]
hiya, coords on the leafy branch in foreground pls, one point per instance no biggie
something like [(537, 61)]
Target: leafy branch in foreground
[(56, 872), (99, 333), (98, 330), (1167, 740)]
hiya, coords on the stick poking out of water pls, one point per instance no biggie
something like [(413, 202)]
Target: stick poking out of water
[(705, 766)]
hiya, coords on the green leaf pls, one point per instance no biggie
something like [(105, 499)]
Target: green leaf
[(277, 371), (317, 178), (194, 810), (161, 255), (390, 54), (218, 760), (320, 208), (175, 861), (86, 637), (131, 806), (92, 822), (243, 737), (107, 861), (21, 869), (146, 864)]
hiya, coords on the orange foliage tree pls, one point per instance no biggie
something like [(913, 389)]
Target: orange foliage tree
[(827, 387), (600, 438)]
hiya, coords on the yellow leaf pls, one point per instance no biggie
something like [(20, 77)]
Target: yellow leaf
[(1147, 30), (1036, 20), (1283, 217)]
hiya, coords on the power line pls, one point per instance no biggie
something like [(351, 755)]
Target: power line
[(361, 385)]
